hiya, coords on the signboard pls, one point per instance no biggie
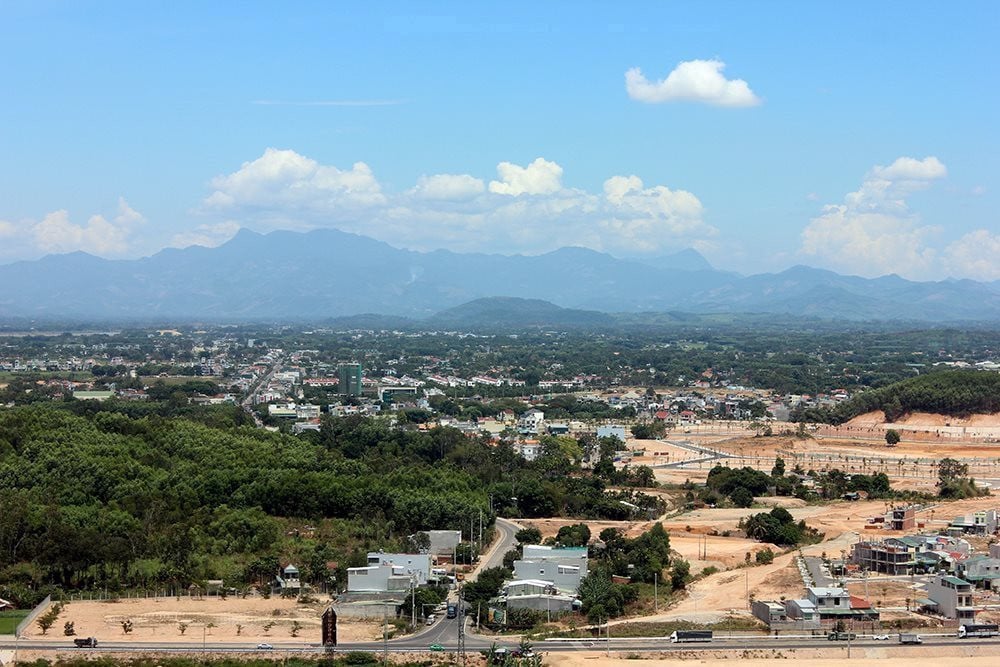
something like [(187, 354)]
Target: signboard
[(329, 627)]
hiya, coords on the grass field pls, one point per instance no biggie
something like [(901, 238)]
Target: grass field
[(10, 619)]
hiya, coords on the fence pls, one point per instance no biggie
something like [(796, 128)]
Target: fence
[(35, 613)]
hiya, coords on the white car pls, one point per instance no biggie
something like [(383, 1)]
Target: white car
[(431, 619), (881, 637), (265, 647)]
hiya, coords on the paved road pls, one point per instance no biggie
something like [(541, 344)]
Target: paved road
[(437, 635), (707, 454)]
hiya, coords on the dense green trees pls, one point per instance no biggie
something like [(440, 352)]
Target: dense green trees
[(116, 494), (949, 392)]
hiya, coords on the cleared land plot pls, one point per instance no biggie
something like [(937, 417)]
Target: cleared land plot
[(160, 619)]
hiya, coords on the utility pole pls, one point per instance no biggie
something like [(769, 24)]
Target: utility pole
[(656, 597), (385, 635), (413, 603), (461, 630)]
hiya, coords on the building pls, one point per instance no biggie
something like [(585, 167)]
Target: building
[(769, 612), (537, 595), (289, 580), (902, 518), (892, 556), (443, 542), (981, 571), (802, 612), (977, 523), (952, 598), (382, 578), (836, 604), (418, 565), (561, 568), (350, 379), (531, 422)]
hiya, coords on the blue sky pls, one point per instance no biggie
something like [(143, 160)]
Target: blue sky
[(854, 136)]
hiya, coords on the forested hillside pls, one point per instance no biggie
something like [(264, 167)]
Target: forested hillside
[(957, 393), (102, 498)]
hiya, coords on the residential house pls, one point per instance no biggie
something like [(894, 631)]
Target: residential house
[(981, 571), (769, 612), (416, 565), (952, 598), (531, 422), (443, 542), (977, 523), (902, 518), (381, 578), (288, 580), (834, 604)]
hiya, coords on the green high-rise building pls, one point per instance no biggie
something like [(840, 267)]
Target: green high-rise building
[(350, 379)]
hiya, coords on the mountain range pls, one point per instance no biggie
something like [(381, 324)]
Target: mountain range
[(328, 273)]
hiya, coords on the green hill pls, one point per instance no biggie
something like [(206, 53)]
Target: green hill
[(957, 393)]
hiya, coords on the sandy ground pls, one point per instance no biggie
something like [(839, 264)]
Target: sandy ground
[(966, 656), (159, 619)]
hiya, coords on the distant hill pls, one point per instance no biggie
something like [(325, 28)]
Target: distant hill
[(516, 313), (327, 273)]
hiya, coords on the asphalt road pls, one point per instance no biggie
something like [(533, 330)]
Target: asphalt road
[(441, 634)]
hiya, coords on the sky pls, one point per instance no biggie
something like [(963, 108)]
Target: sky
[(855, 136)]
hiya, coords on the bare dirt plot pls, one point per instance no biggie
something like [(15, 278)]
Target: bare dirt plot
[(833, 656), (160, 619)]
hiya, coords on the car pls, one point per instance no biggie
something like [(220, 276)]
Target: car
[(881, 637), (264, 647), (431, 619), (437, 647)]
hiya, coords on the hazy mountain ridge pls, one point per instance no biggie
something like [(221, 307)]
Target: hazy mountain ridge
[(328, 274)]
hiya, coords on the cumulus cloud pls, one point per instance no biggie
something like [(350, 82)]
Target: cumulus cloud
[(209, 235), (873, 231), (541, 177), (294, 181), (691, 81), (525, 209), (101, 236), (449, 187), (975, 255)]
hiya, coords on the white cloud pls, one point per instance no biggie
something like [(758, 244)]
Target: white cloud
[(453, 187), (209, 236), (691, 81), (526, 209), (541, 177), (56, 233), (908, 169), (294, 181), (7, 229), (976, 255), (873, 232)]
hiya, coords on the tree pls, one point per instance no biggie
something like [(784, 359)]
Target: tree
[(48, 619), (576, 535), (127, 626), (69, 629), (680, 574), (779, 467), (530, 535), (741, 497), (892, 437)]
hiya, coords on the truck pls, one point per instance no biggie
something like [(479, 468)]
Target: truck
[(841, 636), (684, 636), (452, 610), (978, 630), (85, 642), (910, 638)]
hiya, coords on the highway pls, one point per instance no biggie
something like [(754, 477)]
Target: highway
[(441, 634)]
